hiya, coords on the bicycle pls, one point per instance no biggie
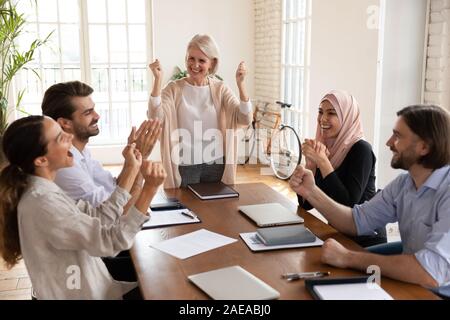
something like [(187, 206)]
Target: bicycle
[(281, 147)]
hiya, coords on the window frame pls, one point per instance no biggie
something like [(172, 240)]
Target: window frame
[(109, 151), (298, 115)]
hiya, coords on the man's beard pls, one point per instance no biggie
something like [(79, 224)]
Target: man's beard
[(84, 133), (404, 160)]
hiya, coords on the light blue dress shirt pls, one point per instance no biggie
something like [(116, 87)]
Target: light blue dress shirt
[(86, 179), (423, 217)]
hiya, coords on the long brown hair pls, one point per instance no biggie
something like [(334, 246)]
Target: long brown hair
[(23, 142)]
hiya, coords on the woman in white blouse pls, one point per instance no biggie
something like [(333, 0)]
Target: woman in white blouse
[(60, 240), (200, 116)]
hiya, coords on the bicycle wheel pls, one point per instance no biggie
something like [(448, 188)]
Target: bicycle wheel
[(285, 152)]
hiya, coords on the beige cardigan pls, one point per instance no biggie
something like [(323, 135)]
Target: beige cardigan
[(229, 117)]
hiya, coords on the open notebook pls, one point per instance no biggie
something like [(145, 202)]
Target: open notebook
[(233, 283)]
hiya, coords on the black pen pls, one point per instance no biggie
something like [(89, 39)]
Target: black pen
[(184, 213), (304, 275)]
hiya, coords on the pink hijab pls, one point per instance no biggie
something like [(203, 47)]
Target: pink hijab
[(351, 131)]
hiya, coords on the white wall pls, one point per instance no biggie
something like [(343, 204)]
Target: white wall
[(401, 72), (268, 43), (382, 67), (230, 23), (344, 55)]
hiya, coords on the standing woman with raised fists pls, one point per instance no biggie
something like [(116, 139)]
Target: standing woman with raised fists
[(200, 115)]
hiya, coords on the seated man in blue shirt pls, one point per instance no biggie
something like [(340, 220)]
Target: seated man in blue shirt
[(71, 105), (419, 200)]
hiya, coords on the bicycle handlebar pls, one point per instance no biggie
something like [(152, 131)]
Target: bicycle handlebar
[(284, 104)]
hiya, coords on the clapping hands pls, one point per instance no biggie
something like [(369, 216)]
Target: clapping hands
[(153, 173), (315, 152), (133, 158), (146, 136)]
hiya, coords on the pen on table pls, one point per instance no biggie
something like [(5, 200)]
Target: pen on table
[(187, 214), (304, 275)]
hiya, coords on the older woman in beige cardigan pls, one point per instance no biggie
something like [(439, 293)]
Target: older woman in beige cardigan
[(200, 117)]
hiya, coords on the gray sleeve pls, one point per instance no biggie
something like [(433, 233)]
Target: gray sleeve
[(78, 185), (108, 211), (435, 257), (377, 212), (67, 228)]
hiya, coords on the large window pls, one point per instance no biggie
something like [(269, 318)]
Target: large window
[(100, 42), (296, 61)]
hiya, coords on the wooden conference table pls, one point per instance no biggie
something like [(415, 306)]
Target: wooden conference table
[(162, 276)]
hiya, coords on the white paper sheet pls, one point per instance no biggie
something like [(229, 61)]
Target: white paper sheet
[(169, 217), (318, 215), (254, 244), (352, 291), (193, 243)]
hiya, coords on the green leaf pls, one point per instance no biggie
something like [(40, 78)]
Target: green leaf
[(12, 59)]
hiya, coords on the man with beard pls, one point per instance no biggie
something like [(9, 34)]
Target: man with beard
[(71, 105), (418, 200)]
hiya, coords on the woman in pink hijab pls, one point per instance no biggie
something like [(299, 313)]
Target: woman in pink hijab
[(342, 161)]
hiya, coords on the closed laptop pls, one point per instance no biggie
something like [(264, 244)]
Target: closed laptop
[(233, 283), (270, 214), (276, 236)]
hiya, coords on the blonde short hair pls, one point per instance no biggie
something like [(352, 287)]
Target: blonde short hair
[(208, 46)]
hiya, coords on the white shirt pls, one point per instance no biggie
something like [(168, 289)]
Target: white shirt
[(201, 139), (86, 179), (62, 241), (197, 115)]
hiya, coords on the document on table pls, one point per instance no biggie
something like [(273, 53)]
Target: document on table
[(193, 243), (166, 218)]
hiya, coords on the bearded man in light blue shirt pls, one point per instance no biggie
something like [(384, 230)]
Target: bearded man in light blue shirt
[(418, 200), (72, 106)]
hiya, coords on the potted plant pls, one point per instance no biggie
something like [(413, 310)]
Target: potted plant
[(12, 60), (180, 74)]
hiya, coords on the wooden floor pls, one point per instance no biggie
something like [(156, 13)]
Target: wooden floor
[(15, 284)]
